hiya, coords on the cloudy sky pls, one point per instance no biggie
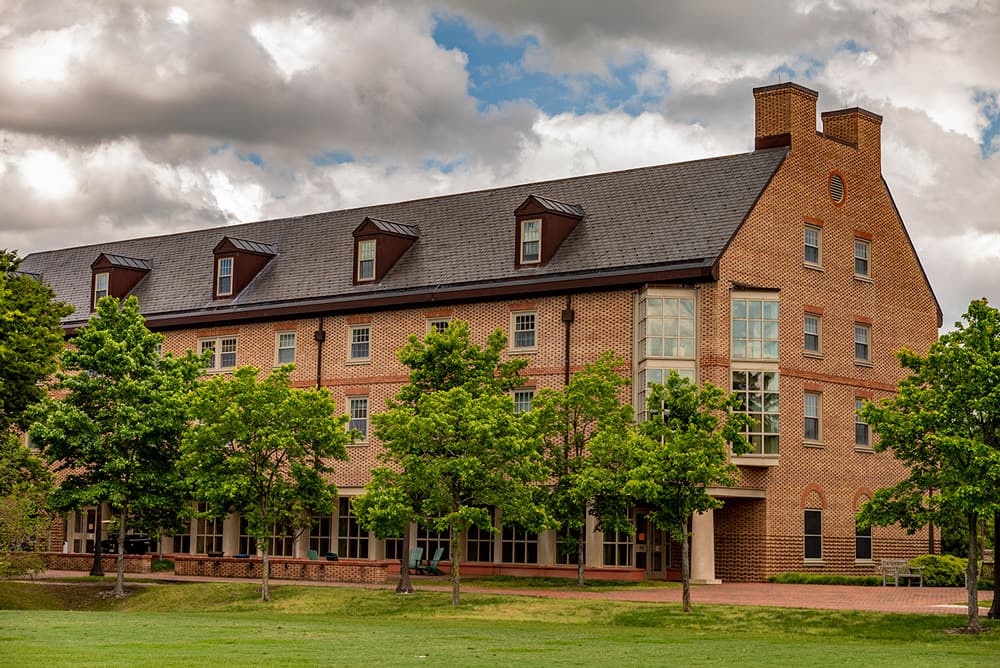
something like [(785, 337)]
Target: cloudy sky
[(120, 119)]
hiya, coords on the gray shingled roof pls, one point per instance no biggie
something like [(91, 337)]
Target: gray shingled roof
[(128, 262), (662, 216), (396, 228), (559, 207)]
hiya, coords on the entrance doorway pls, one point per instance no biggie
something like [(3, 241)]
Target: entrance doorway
[(652, 552)]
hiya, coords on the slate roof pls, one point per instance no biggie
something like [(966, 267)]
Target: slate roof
[(681, 214)]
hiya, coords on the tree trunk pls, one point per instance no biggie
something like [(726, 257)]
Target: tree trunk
[(119, 590), (972, 576), (686, 568), (404, 586), (994, 612), (265, 574), (581, 551), (456, 580)]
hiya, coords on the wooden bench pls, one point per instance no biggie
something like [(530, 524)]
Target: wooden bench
[(900, 569)]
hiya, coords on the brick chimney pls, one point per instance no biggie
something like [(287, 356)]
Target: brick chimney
[(783, 112), (857, 127)]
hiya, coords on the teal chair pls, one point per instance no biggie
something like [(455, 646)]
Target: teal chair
[(432, 566), (415, 555), (313, 555)]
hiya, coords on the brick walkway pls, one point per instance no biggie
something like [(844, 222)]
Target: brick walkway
[(935, 600)]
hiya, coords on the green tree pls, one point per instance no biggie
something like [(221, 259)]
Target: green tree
[(25, 489), (683, 449), (944, 425), (263, 449), (585, 429), (454, 446), (116, 426)]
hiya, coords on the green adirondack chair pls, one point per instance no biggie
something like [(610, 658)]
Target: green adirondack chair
[(415, 555), (432, 566)]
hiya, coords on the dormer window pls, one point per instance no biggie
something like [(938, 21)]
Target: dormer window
[(531, 234), (100, 286), (542, 226), (224, 277), (116, 276), (366, 260), (378, 246), (237, 263)]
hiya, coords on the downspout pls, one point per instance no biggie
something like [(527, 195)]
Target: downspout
[(567, 318), (319, 336)]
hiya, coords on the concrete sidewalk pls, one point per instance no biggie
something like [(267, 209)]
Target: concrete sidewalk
[(921, 600)]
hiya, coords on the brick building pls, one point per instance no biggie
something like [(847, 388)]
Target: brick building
[(784, 274)]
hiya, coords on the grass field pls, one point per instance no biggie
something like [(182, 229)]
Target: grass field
[(220, 624)]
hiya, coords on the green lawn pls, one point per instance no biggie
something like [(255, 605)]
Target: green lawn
[(223, 624)]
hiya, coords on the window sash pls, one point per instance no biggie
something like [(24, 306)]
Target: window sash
[(101, 282), (862, 336), (813, 533), (811, 408), (522, 400), (286, 347), (223, 351), (530, 241), (524, 330), (754, 329), (224, 277), (811, 331), (811, 241), (862, 432), (359, 416), (863, 544), (667, 327), (759, 396), (862, 253), (360, 342), (366, 260)]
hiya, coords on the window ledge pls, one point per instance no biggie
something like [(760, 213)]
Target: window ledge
[(864, 448), (863, 279), (814, 355), (864, 562), (813, 266), (813, 562), (755, 460), (215, 372), (358, 444), (522, 351), (813, 444), (356, 362), (865, 363)]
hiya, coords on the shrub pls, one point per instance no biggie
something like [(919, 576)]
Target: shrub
[(827, 579), (161, 565), (941, 570)]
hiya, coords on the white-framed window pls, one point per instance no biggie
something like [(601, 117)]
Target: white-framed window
[(812, 409), (862, 432), (518, 545), (565, 537), (812, 237), (862, 258), (813, 534), (862, 341), (531, 241), (667, 326), (224, 276), (101, 282), (863, 544), (812, 328), (321, 534), (366, 260), (619, 545), (360, 343), (479, 542), (759, 399), (285, 348), (522, 325), (755, 328), (358, 407), (523, 399), (223, 349), (437, 324), (431, 540), (352, 540), (649, 374), (247, 543), (207, 532)]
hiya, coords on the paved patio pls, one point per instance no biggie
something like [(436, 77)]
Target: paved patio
[(926, 600)]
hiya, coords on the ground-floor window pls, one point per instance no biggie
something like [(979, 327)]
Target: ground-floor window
[(566, 546), (758, 393), (181, 542), (281, 542), (352, 540), (393, 548), (863, 544), (431, 541), (813, 533), (519, 546), (618, 547), (321, 534), (479, 544), (207, 532)]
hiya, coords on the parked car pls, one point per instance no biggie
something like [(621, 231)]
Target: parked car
[(134, 544)]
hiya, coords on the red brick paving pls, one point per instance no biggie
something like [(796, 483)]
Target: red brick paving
[(934, 600)]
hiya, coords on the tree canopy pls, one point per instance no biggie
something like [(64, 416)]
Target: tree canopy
[(944, 425), (453, 445), (264, 449), (585, 431), (682, 450), (115, 423)]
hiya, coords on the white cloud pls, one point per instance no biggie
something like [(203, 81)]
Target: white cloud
[(47, 173)]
